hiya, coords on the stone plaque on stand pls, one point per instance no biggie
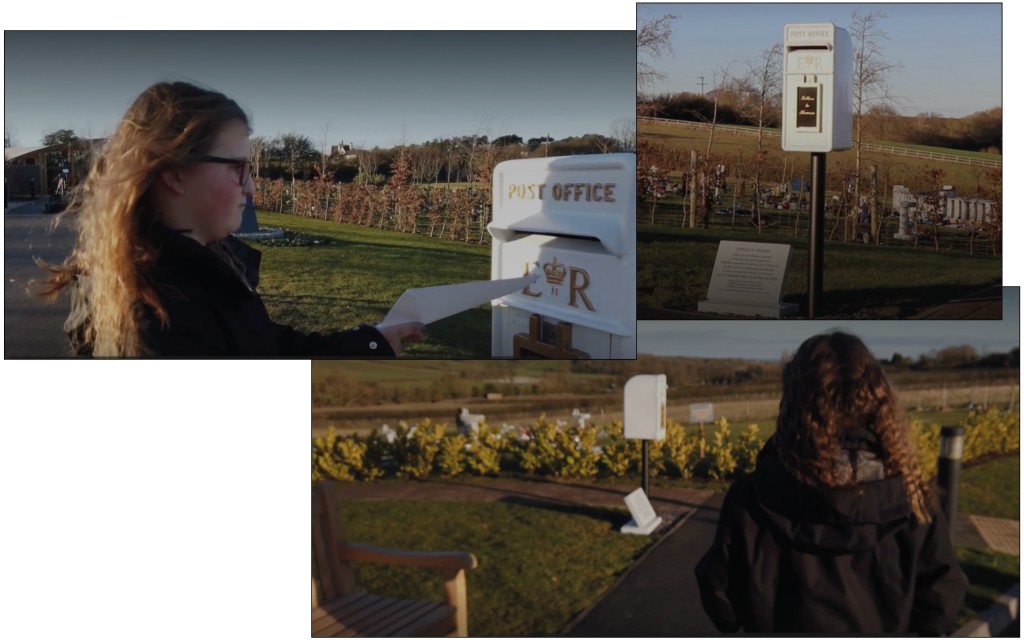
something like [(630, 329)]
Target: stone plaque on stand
[(748, 280)]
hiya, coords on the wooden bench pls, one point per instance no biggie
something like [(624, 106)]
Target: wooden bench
[(340, 610)]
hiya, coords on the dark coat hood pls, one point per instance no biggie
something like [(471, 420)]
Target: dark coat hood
[(829, 521)]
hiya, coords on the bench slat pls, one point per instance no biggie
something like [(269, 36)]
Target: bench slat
[(350, 613), (362, 614), (396, 617)]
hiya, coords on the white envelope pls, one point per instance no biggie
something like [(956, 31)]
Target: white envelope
[(429, 304)]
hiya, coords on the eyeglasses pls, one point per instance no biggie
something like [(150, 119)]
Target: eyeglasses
[(244, 166)]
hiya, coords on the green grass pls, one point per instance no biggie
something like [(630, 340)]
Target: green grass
[(989, 574), (539, 566), (674, 268), (356, 274), (991, 488)]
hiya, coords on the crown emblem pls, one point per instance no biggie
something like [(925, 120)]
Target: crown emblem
[(554, 272)]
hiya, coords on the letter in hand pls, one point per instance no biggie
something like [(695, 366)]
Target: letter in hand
[(396, 334)]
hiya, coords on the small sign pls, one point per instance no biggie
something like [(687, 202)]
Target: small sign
[(807, 106), (645, 520), (702, 412)]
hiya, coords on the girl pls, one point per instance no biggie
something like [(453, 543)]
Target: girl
[(835, 531), (156, 269)]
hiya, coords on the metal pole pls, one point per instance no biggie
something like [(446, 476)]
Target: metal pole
[(646, 463), (949, 472), (816, 260)]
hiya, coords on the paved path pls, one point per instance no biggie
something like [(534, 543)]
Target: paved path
[(33, 326), (982, 305), (657, 595)]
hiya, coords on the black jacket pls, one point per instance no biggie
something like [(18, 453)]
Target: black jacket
[(788, 558), (214, 312)]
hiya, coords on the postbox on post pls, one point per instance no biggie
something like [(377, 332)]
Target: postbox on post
[(817, 116), (645, 415), (817, 98), (574, 218)]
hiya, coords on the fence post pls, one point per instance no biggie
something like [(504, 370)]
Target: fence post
[(950, 458)]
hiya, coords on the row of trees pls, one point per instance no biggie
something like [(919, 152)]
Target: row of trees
[(443, 160), (458, 159), (981, 131)]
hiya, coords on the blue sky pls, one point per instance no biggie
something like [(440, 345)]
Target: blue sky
[(951, 53), (769, 339), (365, 88)]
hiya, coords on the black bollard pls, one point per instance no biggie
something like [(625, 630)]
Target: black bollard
[(950, 456)]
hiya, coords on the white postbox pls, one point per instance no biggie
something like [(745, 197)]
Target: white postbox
[(575, 218), (817, 98), (646, 404)]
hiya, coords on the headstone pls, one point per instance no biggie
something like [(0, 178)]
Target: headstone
[(644, 521), (748, 280), (906, 231)]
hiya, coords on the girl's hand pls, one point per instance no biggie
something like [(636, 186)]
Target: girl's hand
[(406, 332)]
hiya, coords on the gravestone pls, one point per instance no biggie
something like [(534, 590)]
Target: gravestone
[(906, 230), (748, 280), (644, 521)]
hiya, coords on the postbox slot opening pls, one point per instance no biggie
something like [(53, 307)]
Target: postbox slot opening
[(806, 47)]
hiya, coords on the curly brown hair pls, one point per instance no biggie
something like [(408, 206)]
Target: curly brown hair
[(166, 126), (833, 384)]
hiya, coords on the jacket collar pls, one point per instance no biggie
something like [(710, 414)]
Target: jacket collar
[(181, 257)]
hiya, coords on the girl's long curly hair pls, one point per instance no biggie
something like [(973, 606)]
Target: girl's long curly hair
[(166, 126), (831, 385)]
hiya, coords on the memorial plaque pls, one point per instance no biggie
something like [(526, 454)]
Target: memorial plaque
[(748, 279), (645, 520)]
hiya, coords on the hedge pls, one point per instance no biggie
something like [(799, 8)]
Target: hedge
[(568, 451)]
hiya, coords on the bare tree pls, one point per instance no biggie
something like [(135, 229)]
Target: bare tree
[(624, 132), (9, 140), (653, 39), (721, 76), (762, 86), (871, 72), (369, 163), (257, 145), (325, 154)]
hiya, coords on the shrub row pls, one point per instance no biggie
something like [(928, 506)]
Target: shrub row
[(544, 448), (568, 451)]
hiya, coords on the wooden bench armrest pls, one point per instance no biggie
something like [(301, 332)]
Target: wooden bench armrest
[(452, 564), (446, 561)]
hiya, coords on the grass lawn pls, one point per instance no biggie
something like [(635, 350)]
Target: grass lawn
[(538, 566), (674, 268), (991, 488), (355, 274)]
